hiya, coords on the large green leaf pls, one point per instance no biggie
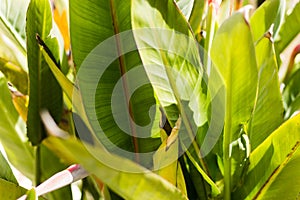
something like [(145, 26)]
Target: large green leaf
[(268, 110), (234, 56), (12, 31), (114, 87), (175, 71), (280, 181), (289, 29), (45, 91), (268, 156), (12, 133), (146, 185), (270, 12)]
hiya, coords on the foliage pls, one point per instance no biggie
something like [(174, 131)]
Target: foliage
[(154, 99)]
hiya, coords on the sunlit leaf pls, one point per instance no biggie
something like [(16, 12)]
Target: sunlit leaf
[(268, 156), (15, 74), (270, 12), (268, 110), (12, 31), (289, 29), (145, 185), (13, 133), (280, 181), (233, 54)]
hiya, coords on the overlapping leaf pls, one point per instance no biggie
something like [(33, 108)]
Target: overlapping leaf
[(12, 31), (268, 111), (45, 91), (12, 133), (115, 89), (268, 156), (233, 54), (128, 185)]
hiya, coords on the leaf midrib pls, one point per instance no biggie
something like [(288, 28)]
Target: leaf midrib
[(122, 66)]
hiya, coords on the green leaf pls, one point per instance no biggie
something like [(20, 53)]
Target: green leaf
[(165, 162), (12, 133), (6, 172), (268, 110), (280, 181), (192, 10), (12, 31), (174, 72), (234, 57), (15, 74), (45, 91), (270, 12), (291, 94), (289, 29), (215, 190), (114, 87), (10, 190), (146, 185), (268, 156)]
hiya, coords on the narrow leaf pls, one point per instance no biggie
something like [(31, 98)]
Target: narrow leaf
[(233, 54), (268, 110), (45, 92), (289, 29)]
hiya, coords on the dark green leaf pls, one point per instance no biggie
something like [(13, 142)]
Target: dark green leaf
[(45, 91)]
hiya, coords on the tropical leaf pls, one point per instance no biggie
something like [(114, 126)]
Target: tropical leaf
[(268, 110), (270, 12), (289, 29), (175, 72), (269, 156), (129, 185), (45, 92), (12, 133), (192, 10), (288, 170), (113, 85), (12, 31), (238, 69)]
